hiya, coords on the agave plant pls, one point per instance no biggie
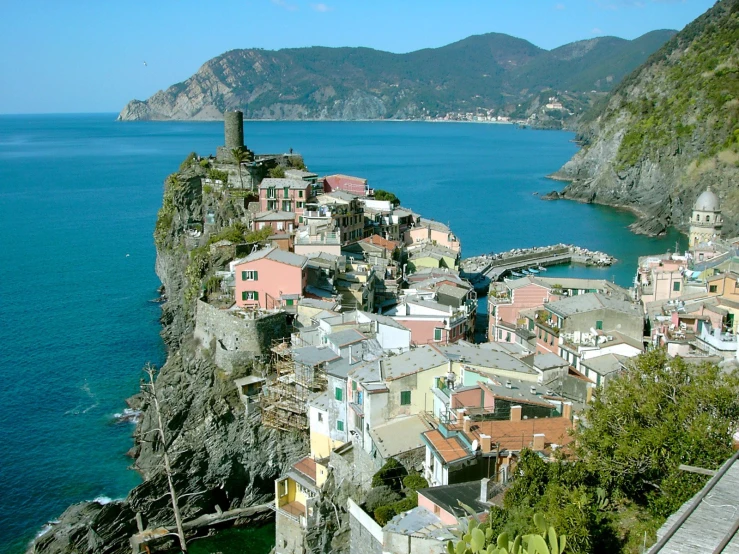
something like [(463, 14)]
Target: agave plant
[(479, 540)]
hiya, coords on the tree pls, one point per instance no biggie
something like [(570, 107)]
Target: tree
[(659, 413), (277, 172), (240, 155), (385, 195), (150, 390)]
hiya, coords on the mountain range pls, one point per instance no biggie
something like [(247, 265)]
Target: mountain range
[(493, 71), (668, 130)]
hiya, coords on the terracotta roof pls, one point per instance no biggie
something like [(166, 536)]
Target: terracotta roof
[(377, 240), (307, 466), (450, 449), (516, 435)]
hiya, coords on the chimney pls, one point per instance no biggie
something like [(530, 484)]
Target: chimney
[(538, 442), (484, 489), (515, 413), (485, 443), (467, 424), (567, 410)]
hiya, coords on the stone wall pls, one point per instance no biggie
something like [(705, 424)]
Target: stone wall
[(238, 340), (289, 535), (366, 534)]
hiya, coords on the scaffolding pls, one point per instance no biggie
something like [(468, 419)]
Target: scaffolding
[(288, 389)]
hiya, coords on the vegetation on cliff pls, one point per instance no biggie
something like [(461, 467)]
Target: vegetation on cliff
[(669, 129), (492, 71)]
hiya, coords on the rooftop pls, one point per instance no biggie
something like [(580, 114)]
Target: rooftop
[(517, 435), (377, 240), (450, 449), (419, 522), (590, 302), (275, 254), (709, 520), (274, 216), (399, 435), (485, 358), (605, 364), (414, 361), (346, 337), (307, 467), (279, 183), (455, 292), (312, 355), (448, 498)]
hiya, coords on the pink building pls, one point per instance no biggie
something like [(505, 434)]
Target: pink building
[(660, 279), (355, 185), (270, 278), (428, 230), (430, 321), (284, 195), (505, 310)]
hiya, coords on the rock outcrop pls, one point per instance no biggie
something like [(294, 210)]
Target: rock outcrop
[(220, 457), (668, 131)]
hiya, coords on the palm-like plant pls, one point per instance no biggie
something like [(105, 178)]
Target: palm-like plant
[(240, 156)]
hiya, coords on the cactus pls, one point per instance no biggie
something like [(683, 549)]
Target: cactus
[(478, 539)]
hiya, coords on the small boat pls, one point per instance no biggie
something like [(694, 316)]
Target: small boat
[(516, 274), (525, 271), (542, 268), (533, 271)]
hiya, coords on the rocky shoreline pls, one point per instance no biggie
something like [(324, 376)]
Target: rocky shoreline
[(221, 460)]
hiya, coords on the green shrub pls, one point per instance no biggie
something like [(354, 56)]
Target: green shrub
[(415, 481), (205, 163), (406, 504), (277, 172), (380, 496), (383, 514), (385, 195)]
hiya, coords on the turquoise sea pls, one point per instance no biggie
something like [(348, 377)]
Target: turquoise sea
[(78, 199)]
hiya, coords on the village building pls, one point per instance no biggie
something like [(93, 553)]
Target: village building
[(429, 231), (284, 195), (355, 185), (296, 495), (431, 321), (566, 326), (344, 209), (270, 278)]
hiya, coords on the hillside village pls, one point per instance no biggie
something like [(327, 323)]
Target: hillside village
[(373, 351)]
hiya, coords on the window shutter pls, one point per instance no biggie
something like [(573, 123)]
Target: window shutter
[(256, 295), (338, 393), (243, 295), (243, 275), (255, 275)]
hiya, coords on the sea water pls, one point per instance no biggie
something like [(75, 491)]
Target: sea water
[(78, 201)]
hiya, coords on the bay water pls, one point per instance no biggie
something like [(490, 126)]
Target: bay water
[(78, 201)]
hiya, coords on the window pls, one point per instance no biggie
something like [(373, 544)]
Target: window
[(712, 288), (339, 393), (300, 194), (249, 295), (508, 336), (286, 205), (676, 286), (285, 192), (300, 219), (271, 192), (697, 217), (708, 218), (320, 417), (437, 333), (299, 204), (283, 488), (437, 510), (405, 398), (249, 275), (599, 325), (339, 425)]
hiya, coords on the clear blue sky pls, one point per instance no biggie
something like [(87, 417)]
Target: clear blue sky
[(88, 56)]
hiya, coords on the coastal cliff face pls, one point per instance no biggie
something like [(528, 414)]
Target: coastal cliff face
[(668, 131), (220, 457), (492, 71)]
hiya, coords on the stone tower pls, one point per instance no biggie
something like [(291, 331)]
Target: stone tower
[(706, 221), (234, 129)]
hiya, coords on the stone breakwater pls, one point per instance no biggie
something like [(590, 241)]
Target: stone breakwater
[(481, 270)]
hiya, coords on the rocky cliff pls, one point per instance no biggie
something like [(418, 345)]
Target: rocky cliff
[(491, 71), (219, 456), (668, 131)]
